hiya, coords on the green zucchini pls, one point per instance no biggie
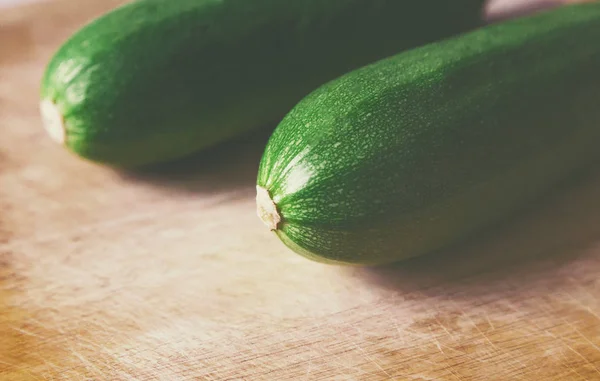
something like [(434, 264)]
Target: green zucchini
[(419, 151), (156, 80)]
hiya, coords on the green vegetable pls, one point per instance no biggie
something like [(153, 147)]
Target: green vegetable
[(156, 80), (419, 151)]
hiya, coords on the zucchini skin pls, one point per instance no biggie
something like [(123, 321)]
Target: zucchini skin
[(155, 80), (416, 152)]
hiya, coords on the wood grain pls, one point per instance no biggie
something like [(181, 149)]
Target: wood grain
[(169, 274)]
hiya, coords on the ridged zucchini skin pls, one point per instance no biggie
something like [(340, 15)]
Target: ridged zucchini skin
[(156, 80), (419, 151)]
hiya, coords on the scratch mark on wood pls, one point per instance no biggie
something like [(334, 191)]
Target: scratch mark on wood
[(572, 369), (443, 327), (591, 312), (580, 355), (27, 333), (7, 364), (472, 322), (458, 377), (487, 317), (367, 356), (584, 337), (437, 342)]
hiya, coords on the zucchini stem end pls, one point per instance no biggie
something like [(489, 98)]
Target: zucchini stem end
[(267, 209), (53, 121)]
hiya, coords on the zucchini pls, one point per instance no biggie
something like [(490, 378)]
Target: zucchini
[(156, 80), (416, 152)]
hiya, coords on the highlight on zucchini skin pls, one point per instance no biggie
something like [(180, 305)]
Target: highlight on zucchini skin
[(419, 151), (153, 80)]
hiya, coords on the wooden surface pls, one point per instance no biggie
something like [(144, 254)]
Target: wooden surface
[(169, 274)]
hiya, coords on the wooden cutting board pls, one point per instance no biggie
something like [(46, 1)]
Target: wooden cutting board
[(169, 274)]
